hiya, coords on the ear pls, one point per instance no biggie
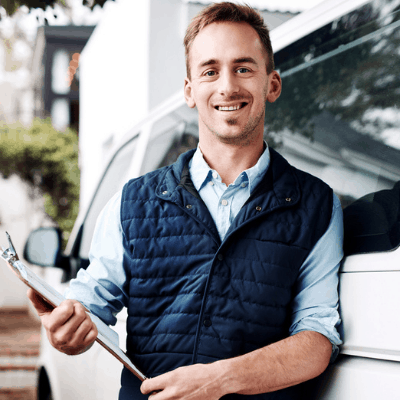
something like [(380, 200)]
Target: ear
[(275, 86), (189, 94)]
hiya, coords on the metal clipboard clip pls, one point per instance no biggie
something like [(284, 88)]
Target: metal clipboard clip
[(9, 254)]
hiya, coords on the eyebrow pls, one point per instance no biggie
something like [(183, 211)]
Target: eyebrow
[(245, 60), (241, 60), (208, 62)]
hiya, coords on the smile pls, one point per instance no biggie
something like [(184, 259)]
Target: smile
[(230, 108)]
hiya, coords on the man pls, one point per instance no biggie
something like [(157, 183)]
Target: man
[(227, 260)]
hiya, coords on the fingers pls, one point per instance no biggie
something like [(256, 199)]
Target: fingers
[(59, 316), (85, 333), (69, 328), (197, 382), (79, 331), (151, 386), (146, 386), (41, 305), (75, 337)]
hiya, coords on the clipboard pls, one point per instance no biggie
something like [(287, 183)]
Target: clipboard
[(106, 337)]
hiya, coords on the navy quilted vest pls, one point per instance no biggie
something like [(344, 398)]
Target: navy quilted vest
[(195, 299)]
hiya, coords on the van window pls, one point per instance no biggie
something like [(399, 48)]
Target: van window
[(112, 181), (338, 116), (179, 146), (169, 138)]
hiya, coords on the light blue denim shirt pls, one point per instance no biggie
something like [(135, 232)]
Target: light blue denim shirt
[(103, 286), (223, 202)]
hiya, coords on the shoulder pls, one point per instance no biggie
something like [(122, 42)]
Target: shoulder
[(305, 180), (315, 192), (308, 180), (146, 185)]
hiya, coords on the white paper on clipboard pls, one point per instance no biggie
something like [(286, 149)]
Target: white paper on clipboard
[(106, 337)]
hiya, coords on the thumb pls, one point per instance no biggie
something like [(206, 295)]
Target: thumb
[(41, 305)]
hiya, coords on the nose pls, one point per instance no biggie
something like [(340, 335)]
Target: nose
[(227, 84)]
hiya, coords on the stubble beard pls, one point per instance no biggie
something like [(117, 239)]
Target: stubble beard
[(246, 137)]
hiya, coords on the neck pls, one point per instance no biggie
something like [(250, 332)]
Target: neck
[(228, 160)]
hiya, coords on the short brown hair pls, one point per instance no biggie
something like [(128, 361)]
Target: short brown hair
[(229, 12)]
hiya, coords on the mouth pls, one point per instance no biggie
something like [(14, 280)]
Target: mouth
[(231, 108)]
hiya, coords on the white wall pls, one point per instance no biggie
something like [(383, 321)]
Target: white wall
[(113, 84), (167, 56)]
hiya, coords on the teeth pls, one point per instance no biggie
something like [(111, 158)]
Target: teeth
[(231, 108)]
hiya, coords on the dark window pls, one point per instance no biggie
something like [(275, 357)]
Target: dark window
[(74, 115), (372, 223)]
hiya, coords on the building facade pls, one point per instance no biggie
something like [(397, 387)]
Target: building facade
[(55, 73)]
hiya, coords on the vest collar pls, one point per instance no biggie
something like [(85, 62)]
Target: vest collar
[(176, 186), (278, 188), (281, 181), (176, 176)]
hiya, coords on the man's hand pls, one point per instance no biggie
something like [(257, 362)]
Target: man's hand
[(68, 327), (195, 382)]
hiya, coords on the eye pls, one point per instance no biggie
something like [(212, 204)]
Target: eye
[(210, 73), (242, 70)]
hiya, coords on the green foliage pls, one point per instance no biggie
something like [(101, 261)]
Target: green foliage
[(12, 5), (48, 160)]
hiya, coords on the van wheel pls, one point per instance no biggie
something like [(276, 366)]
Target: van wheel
[(44, 389), (49, 396)]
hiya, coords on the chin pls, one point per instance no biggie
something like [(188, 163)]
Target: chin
[(240, 139), (232, 122)]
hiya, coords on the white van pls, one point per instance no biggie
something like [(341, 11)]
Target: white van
[(338, 118)]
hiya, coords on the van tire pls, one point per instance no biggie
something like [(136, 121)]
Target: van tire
[(44, 389)]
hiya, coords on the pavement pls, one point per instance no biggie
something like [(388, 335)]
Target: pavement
[(19, 350)]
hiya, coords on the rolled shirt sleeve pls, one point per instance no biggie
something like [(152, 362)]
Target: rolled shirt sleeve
[(316, 301), (102, 287)]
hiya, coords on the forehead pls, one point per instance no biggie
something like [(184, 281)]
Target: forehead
[(224, 41)]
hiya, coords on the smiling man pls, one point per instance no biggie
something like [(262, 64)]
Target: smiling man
[(227, 260), (229, 83)]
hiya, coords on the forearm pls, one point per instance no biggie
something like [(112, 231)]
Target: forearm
[(286, 363)]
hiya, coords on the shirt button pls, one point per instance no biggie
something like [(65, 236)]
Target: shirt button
[(207, 323), (224, 202), (243, 184), (165, 192), (189, 206), (220, 257), (215, 175), (211, 183)]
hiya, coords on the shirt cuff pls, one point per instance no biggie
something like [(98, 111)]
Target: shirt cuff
[(316, 324)]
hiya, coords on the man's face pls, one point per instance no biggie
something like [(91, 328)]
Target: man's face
[(229, 83)]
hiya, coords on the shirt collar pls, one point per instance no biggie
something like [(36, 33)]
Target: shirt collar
[(201, 172)]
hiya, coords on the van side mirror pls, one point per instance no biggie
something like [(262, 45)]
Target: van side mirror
[(43, 247)]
